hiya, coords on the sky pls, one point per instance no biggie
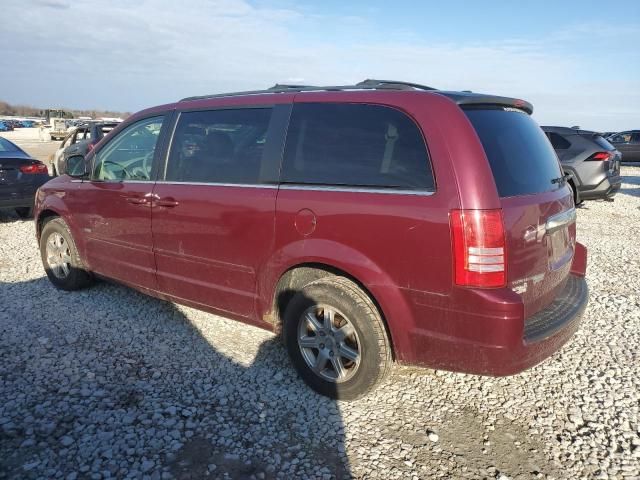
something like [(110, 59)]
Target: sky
[(578, 62)]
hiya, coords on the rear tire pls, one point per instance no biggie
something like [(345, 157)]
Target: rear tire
[(60, 257), (24, 212), (576, 195), (336, 338)]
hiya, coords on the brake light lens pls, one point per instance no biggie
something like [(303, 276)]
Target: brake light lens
[(601, 156), (479, 248), (34, 168)]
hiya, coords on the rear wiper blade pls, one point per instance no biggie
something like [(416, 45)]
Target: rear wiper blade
[(563, 179)]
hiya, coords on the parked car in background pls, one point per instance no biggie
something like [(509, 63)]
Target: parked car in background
[(58, 129), (20, 177), (594, 164), (5, 127), (28, 123), (79, 142), (321, 212), (628, 143)]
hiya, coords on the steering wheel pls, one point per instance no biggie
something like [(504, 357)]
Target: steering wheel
[(142, 172), (111, 174)]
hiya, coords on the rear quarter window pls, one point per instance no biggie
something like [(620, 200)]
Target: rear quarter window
[(355, 145), (522, 160), (558, 141)]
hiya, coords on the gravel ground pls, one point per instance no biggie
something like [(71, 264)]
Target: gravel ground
[(108, 383)]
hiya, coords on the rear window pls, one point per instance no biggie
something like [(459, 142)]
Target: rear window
[(6, 146), (355, 145), (602, 142), (522, 160)]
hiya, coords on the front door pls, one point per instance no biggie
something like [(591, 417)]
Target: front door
[(214, 216), (113, 207)]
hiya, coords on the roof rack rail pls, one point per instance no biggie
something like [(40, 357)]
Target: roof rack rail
[(286, 86), (392, 84), (368, 84)]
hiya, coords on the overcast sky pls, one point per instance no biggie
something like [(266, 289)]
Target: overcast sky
[(578, 62)]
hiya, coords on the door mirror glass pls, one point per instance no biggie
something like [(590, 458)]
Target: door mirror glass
[(76, 167)]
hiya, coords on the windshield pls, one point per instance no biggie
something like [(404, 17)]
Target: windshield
[(522, 160)]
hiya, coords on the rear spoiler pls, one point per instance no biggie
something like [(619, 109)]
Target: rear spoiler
[(478, 99)]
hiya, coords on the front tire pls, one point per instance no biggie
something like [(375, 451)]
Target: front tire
[(336, 338), (60, 257)]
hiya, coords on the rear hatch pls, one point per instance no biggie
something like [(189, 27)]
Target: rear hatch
[(538, 210)]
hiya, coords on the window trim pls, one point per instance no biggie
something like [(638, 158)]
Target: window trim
[(166, 117), (357, 188), (277, 127)]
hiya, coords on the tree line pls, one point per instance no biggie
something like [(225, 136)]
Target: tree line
[(6, 109)]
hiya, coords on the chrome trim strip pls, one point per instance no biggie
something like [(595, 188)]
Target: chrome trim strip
[(214, 184), (331, 188), (560, 220)]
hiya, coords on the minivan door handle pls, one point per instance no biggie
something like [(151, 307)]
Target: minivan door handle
[(168, 202), (137, 200)]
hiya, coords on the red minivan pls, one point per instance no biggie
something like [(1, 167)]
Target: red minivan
[(370, 224)]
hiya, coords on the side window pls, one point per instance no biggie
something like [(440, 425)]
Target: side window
[(635, 138), (355, 145), (558, 141), (129, 155), (219, 146), (624, 137)]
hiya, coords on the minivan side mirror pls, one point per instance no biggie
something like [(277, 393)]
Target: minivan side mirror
[(76, 167)]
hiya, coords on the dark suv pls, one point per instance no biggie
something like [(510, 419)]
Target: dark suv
[(372, 223), (628, 143), (594, 164)]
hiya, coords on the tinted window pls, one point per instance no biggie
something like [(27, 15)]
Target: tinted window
[(129, 155), (355, 145), (602, 142), (558, 141), (219, 146), (635, 138), (6, 146), (522, 160), (624, 137)]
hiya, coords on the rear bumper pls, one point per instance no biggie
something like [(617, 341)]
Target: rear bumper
[(13, 202), (607, 188), (509, 344)]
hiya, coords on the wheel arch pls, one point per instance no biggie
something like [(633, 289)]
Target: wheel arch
[(45, 216), (297, 276)]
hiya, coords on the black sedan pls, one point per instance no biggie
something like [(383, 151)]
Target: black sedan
[(20, 177)]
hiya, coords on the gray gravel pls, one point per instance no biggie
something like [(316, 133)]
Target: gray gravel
[(108, 383)]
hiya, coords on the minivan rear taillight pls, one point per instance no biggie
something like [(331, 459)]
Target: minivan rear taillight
[(479, 248)]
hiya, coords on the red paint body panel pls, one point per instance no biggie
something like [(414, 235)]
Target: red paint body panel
[(209, 247), (116, 234), (224, 248)]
